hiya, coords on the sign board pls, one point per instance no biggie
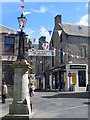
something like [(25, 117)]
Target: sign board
[(74, 78), (8, 58), (65, 77), (41, 52), (77, 66)]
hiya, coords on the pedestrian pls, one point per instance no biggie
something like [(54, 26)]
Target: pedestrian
[(31, 92), (59, 85), (4, 92)]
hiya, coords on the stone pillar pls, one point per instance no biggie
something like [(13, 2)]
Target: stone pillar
[(20, 106)]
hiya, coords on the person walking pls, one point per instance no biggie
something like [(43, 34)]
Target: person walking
[(4, 92), (59, 85), (31, 92)]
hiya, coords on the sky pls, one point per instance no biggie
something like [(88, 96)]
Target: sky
[(41, 16)]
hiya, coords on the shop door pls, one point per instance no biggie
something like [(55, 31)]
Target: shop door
[(82, 78)]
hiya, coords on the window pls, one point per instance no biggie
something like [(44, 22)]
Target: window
[(8, 73), (61, 55), (61, 37), (9, 44)]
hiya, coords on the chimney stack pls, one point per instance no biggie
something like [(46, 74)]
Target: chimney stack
[(58, 19)]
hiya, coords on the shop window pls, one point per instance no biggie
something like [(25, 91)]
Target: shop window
[(8, 74), (9, 44), (82, 78)]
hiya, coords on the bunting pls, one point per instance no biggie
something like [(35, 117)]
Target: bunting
[(34, 39), (79, 27), (26, 13), (50, 32), (22, 6), (57, 51), (59, 32)]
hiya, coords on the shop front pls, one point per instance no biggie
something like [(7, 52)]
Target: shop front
[(77, 77), (40, 81), (56, 74)]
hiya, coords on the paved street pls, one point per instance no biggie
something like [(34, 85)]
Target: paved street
[(56, 105), (61, 105)]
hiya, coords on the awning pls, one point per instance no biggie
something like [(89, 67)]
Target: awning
[(58, 68), (40, 76)]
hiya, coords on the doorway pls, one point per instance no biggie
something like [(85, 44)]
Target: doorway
[(82, 78)]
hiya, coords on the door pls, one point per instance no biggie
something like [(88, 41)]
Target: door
[(82, 78)]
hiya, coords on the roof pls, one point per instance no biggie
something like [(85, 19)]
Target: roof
[(74, 29), (4, 29)]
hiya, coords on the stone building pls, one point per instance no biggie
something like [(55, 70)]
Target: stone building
[(42, 65), (70, 42), (9, 40)]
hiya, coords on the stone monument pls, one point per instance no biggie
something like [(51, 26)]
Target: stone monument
[(20, 107)]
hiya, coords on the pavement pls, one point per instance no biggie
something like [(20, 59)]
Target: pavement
[(56, 105)]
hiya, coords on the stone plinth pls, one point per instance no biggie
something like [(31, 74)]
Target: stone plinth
[(21, 101)]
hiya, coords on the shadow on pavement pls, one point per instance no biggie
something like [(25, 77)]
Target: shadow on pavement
[(84, 95)]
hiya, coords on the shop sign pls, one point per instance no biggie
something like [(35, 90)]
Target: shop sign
[(41, 52), (74, 78), (8, 58), (77, 66), (65, 74)]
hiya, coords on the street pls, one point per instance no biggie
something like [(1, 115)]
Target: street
[(55, 105)]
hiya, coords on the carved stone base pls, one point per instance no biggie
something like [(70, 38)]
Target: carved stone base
[(17, 117)]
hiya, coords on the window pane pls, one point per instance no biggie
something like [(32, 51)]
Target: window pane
[(11, 41), (6, 40), (9, 44)]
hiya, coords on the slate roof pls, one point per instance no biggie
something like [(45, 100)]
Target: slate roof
[(4, 29), (72, 29)]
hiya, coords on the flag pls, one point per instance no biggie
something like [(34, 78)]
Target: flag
[(39, 41), (66, 54), (74, 56), (57, 51), (22, 1), (79, 57), (40, 31), (47, 47), (63, 53), (12, 58), (50, 32), (70, 55), (8, 57), (34, 39), (25, 13), (22, 6), (50, 48), (7, 35), (79, 27), (59, 32)]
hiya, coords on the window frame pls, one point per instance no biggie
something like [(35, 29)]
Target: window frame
[(8, 44)]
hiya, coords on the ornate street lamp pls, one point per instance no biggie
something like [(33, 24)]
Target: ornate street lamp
[(21, 49)]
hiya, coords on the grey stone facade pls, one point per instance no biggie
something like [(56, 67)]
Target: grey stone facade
[(73, 40)]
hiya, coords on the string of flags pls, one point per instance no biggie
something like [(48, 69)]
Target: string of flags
[(46, 46)]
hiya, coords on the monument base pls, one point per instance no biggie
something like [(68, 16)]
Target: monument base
[(17, 117)]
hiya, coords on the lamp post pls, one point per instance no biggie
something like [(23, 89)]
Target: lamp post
[(21, 49)]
